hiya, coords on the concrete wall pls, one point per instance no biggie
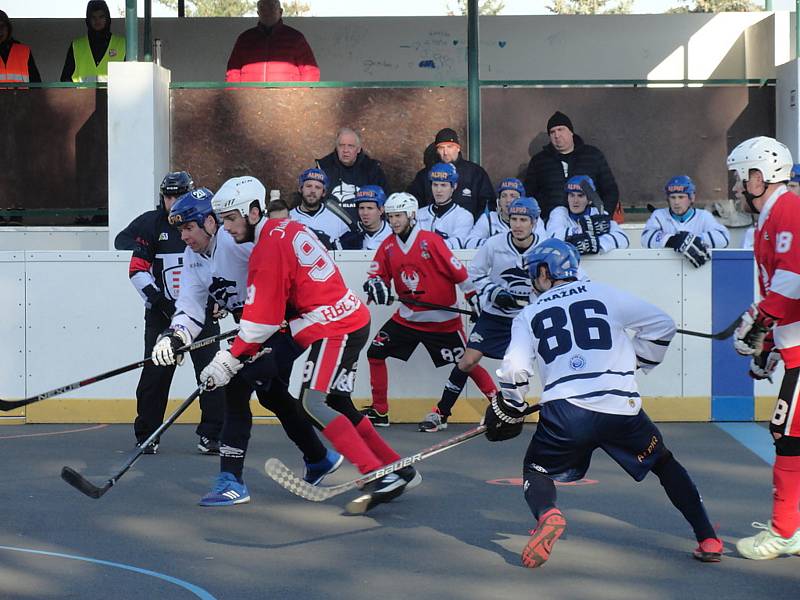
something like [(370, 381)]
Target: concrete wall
[(434, 48)]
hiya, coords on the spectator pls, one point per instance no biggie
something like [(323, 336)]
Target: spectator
[(498, 221), (88, 56), (688, 230), (794, 182), (475, 191), (372, 228), (581, 224), (349, 168), (565, 155), (327, 224), (277, 209), (16, 60), (271, 51), (451, 221)]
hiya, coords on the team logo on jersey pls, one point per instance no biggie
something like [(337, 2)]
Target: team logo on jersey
[(163, 236), (410, 278), (381, 339), (475, 337), (518, 284), (172, 281), (346, 194), (577, 362), (222, 290)]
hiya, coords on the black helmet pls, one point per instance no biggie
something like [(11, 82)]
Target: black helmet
[(176, 184)]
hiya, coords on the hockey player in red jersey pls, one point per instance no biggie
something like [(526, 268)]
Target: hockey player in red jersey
[(422, 267), (770, 329), (292, 277)]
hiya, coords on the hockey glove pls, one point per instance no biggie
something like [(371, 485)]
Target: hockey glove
[(695, 251), (502, 421), (352, 240), (167, 344), (220, 370), (586, 243), (377, 291), (763, 366), (748, 339), (676, 241), (159, 302), (474, 304), (503, 299), (596, 225)]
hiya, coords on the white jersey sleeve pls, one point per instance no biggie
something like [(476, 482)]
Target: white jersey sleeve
[(559, 225), (519, 363), (190, 307)]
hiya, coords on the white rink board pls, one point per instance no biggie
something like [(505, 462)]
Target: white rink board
[(84, 317)]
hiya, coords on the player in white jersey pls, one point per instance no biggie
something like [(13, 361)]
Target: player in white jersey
[(314, 212), (574, 336), (498, 273), (689, 231), (216, 265), (493, 222), (582, 223), (450, 220), (372, 227)]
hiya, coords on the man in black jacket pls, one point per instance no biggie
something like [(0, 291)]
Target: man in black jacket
[(349, 169), (567, 155), (475, 191)]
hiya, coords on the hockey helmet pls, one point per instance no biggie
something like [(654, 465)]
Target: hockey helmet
[(239, 193), (680, 184), (176, 184), (525, 206), (574, 184), (402, 202), (795, 174), (371, 193), (561, 259), (443, 172), (511, 183), (313, 175), (766, 154), (192, 206)]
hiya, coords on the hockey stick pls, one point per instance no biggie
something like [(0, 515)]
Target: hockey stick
[(6, 405), (461, 311), (284, 476), (83, 485), (721, 335)]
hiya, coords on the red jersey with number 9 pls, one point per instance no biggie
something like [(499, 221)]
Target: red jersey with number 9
[(290, 271), (777, 253)]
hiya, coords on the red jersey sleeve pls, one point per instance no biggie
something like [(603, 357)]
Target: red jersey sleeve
[(446, 262), (784, 286)]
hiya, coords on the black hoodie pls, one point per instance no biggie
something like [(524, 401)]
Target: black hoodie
[(98, 40)]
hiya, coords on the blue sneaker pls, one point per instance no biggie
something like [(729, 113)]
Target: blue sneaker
[(227, 491), (316, 472)]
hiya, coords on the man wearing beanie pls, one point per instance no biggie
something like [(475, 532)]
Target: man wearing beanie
[(567, 155), (88, 56), (16, 61), (475, 191)]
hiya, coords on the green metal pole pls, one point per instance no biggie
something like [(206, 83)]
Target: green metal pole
[(148, 35), (767, 4), (473, 82), (131, 32)]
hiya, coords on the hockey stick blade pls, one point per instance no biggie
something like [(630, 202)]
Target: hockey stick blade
[(6, 405), (283, 475), (83, 485), (721, 335)]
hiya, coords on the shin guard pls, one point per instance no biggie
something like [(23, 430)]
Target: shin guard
[(347, 442), (786, 495), (379, 381), (376, 443)]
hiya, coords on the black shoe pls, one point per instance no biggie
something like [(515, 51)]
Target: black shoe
[(151, 449), (378, 419), (207, 445), (385, 489)]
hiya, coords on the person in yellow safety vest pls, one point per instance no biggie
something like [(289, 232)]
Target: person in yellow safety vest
[(88, 56), (16, 60)]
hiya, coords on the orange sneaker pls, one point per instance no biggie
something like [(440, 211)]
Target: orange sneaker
[(709, 550), (549, 528)]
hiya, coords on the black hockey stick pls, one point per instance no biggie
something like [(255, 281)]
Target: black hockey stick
[(80, 483), (284, 476), (721, 335), (6, 405), (461, 311)]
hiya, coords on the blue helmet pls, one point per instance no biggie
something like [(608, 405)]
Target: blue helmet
[(574, 184), (527, 207), (313, 175), (795, 175), (561, 259), (680, 184), (371, 193), (511, 183), (443, 172), (192, 206)]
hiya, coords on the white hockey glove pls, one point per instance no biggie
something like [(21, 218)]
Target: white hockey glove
[(694, 250), (220, 370), (474, 302), (167, 344), (748, 339), (763, 366), (377, 291)]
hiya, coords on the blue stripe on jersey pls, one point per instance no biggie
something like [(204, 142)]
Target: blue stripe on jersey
[(623, 393), (585, 376)]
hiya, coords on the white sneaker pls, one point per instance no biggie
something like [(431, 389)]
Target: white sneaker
[(768, 544)]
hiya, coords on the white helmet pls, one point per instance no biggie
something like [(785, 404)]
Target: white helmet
[(238, 194), (766, 154), (401, 202)]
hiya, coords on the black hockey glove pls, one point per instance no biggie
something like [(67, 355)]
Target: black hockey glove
[(502, 421), (352, 240), (503, 299), (585, 243), (695, 251), (596, 225), (676, 241), (377, 291), (159, 302)]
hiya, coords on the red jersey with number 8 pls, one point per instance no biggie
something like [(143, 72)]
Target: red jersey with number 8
[(777, 253), (290, 271)]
